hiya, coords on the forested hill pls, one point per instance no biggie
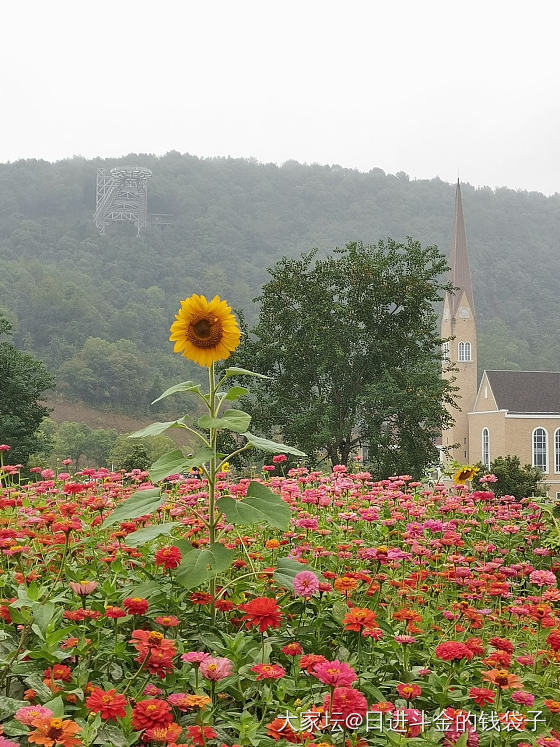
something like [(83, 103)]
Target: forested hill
[(97, 308)]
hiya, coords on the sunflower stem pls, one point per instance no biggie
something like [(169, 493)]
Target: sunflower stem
[(212, 484)]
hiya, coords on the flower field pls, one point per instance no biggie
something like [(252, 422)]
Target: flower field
[(386, 613)]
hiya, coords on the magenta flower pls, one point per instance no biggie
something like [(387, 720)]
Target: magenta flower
[(215, 668), (195, 657), (305, 583), (334, 673)]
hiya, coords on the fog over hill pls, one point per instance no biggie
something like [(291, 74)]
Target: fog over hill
[(97, 308)]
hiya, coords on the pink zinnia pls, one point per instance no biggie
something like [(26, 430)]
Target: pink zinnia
[(83, 588), (27, 714), (195, 657), (8, 743), (523, 698), (305, 583), (542, 578), (215, 668), (334, 673), (345, 702)]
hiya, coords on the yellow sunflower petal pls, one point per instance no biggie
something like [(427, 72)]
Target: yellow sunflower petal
[(204, 331)]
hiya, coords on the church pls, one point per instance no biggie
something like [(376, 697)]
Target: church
[(509, 412)]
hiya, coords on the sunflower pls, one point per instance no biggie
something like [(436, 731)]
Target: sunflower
[(465, 473), (205, 332)]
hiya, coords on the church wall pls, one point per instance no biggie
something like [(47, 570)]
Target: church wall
[(496, 424), (463, 328), (519, 439), (485, 399)]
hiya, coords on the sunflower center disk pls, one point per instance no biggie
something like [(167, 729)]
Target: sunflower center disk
[(205, 332)]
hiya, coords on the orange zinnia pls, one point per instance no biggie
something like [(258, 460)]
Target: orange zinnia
[(50, 732), (359, 618), (345, 584), (503, 679)]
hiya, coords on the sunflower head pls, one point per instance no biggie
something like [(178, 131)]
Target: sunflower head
[(205, 331), (465, 473)]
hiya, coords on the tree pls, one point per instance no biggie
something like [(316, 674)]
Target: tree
[(23, 383), (138, 453), (352, 348), (513, 479)]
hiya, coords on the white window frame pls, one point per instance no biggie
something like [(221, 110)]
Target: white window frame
[(464, 352), (533, 451), (485, 449), (445, 352), (557, 451)]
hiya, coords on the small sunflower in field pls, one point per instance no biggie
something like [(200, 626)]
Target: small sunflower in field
[(205, 331), (464, 473)]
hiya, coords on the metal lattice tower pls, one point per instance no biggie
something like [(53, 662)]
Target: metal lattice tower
[(122, 196)]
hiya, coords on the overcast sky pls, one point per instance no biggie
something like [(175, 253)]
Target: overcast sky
[(420, 86)]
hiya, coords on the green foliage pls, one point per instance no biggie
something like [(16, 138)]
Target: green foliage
[(64, 283), (260, 505), (23, 382), (351, 345), (140, 503), (77, 441), (513, 479)]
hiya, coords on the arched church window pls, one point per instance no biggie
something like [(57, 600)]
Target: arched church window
[(464, 352), (445, 351), (540, 449), (557, 450), (486, 447)]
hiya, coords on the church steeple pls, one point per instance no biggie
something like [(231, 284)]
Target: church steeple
[(458, 326), (460, 273)]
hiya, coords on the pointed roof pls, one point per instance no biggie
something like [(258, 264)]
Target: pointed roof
[(460, 273), (536, 392)]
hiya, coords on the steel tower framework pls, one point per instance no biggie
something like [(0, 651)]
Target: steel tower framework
[(122, 196)]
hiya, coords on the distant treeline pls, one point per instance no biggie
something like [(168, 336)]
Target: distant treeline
[(97, 309)]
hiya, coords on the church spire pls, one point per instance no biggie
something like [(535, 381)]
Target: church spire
[(460, 273)]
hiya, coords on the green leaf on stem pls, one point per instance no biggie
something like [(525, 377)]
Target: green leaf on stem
[(8, 706), (147, 534), (287, 569), (231, 420), (235, 371), (235, 393), (265, 445), (156, 428), (199, 565), (185, 386), (141, 503), (175, 462), (260, 506)]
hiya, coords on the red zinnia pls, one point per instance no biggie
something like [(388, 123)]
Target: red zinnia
[(262, 612), (147, 714), (502, 644), (450, 650), (109, 704), (308, 661), (199, 734), (135, 605), (482, 695), (168, 557), (292, 649), (268, 671), (408, 692), (553, 640)]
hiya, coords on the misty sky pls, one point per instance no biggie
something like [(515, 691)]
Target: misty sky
[(418, 86)]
